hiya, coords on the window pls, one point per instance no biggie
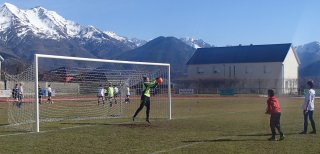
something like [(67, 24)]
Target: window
[(215, 70), (200, 70), (287, 84)]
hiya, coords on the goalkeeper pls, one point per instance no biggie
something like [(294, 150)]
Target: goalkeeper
[(145, 97)]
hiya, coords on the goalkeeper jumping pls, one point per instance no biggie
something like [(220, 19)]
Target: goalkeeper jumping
[(145, 97)]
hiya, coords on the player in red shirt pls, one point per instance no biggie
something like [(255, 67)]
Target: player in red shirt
[(273, 108)]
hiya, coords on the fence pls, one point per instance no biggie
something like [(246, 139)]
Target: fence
[(289, 87), (244, 91)]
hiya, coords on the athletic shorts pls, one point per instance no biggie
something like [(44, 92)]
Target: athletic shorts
[(49, 94), (20, 96), (101, 97)]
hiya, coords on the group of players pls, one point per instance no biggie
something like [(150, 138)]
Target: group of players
[(273, 108), (18, 95), (111, 94)]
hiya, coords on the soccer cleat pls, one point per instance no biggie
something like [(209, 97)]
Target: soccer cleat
[(281, 137), (272, 139), (148, 122), (313, 132), (303, 132)]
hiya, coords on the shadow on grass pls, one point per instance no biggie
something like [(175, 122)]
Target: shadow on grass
[(234, 139), (81, 123), (223, 140), (254, 135), (5, 132), (128, 125), (4, 125), (286, 134)]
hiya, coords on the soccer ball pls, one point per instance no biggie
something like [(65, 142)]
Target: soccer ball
[(159, 80)]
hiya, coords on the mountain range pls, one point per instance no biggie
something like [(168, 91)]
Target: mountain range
[(309, 55), (38, 30), (24, 33)]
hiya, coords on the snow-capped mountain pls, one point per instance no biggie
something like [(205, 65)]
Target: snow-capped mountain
[(38, 21), (195, 43), (309, 53), (24, 33), (18, 26), (137, 42)]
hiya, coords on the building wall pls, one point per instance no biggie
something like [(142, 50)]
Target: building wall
[(236, 71), (241, 75), (279, 75), (291, 66)]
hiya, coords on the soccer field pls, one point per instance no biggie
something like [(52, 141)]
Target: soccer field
[(199, 125)]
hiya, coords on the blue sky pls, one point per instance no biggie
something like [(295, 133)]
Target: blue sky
[(218, 22)]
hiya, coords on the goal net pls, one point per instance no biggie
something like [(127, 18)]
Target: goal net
[(84, 89)]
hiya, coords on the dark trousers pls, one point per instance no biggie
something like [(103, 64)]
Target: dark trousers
[(145, 101), (310, 115), (275, 123)]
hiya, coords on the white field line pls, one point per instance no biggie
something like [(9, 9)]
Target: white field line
[(175, 148)]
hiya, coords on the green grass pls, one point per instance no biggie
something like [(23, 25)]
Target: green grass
[(216, 125)]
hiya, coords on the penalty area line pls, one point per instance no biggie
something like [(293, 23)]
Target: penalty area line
[(175, 148)]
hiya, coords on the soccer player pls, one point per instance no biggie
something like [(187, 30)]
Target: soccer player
[(49, 95), (15, 94), (145, 97), (127, 100), (20, 95), (116, 93), (308, 108), (39, 94), (273, 108), (100, 95), (110, 94)]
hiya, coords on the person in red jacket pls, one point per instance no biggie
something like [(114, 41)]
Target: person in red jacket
[(273, 108)]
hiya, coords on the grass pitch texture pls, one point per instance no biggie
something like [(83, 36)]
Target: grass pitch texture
[(200, 125)]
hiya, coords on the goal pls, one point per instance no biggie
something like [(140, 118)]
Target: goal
[(74, 84)]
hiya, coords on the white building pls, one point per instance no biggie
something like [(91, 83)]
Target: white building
[(254, 66)]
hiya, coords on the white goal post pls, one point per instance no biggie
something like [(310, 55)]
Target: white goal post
[(38, 57)]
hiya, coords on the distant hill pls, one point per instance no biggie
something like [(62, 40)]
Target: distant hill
[(163, 50), (309, 55)]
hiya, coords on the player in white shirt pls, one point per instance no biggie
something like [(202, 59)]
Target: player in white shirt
[(116, 93), (308, 108), (49, 95), (127, 100), (101, 92), (20, 95)]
